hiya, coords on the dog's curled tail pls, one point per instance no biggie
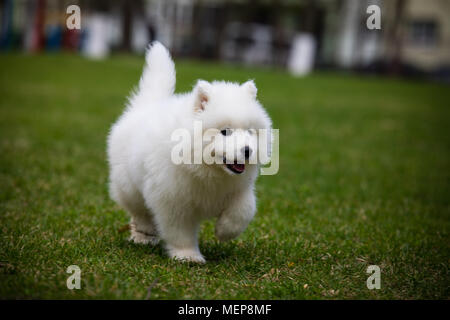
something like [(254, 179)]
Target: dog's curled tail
[(158, 77)]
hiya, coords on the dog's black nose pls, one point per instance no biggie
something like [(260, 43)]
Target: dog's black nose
[(247, 152)]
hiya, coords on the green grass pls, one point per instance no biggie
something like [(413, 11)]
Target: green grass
[(364, 179)]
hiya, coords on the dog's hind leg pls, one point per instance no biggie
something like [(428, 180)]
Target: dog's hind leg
[(142, 226), (143, 229)]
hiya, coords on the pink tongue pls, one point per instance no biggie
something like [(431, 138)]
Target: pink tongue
[(239, 167)]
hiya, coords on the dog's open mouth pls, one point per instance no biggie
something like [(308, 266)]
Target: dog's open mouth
[(235, 167)]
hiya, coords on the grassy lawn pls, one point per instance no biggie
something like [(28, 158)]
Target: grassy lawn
[(364, 179)]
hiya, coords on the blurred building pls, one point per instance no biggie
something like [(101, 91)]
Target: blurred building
[(426, 34), (414, 35)]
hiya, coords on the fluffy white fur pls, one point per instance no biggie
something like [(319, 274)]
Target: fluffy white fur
[(168, 201)]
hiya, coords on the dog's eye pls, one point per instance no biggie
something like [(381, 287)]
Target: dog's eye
[(226, 132)]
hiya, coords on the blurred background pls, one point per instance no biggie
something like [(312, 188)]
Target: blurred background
[(299, 35)]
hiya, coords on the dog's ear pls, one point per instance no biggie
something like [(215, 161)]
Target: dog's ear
[(202, 93), (250, 87)]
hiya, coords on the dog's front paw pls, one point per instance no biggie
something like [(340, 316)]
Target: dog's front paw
[(142, 238), (186, 255), (227, 231)]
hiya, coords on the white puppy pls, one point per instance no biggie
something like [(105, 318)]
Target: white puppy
[(166, 200)]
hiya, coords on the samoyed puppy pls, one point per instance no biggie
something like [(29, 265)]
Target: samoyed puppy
[(167, 200)]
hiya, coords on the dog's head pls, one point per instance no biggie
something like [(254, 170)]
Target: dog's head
[(235, 124)]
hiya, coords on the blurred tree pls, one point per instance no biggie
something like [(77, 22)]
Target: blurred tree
[(395, 38), (127, 10)]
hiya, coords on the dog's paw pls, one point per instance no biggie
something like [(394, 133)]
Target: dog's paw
[(224, 232), (186, 255), (226, 235), (142, 238)]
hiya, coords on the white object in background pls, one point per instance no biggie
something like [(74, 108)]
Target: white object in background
[(97, 42), (260, 52), (301, 57), (347, 44), (139, 37)]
